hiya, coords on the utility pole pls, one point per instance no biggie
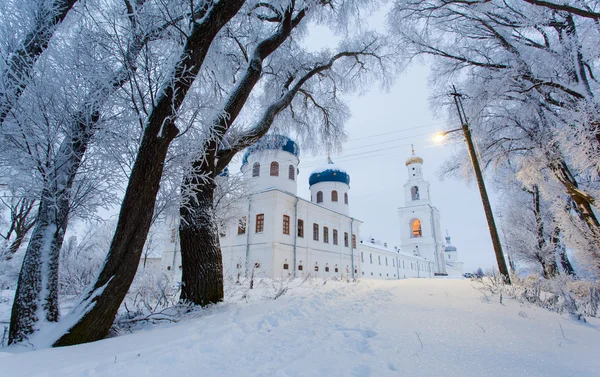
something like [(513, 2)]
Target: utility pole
[(482, 190)]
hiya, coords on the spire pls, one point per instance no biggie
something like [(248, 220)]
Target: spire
[(413, 158)]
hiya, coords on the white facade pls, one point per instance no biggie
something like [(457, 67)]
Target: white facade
[(264, 162), (380, 262), (419, 219), (283, 235)]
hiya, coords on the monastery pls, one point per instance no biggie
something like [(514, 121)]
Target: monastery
[(284, 235)]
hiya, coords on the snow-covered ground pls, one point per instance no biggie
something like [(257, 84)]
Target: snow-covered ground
[(375, 328)]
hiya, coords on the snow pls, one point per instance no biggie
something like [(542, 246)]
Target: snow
[(415, 327), (327, 167)]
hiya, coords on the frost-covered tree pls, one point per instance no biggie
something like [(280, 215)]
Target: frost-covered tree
[(20, 213), (50, 130), (529, 70), (278, 74), (94, 315), (27, 28)]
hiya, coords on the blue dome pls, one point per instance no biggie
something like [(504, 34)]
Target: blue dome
[(329, 173), (273, 142)]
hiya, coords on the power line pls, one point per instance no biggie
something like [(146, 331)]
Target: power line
[(394, 132)]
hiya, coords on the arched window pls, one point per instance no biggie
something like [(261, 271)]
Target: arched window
[(274, 169), (316, 268), (286, 266), (416, 228), (291, 172), (256, 169), (334, 196), (299, 267), (345, 198), (414, 192), (320, 197)]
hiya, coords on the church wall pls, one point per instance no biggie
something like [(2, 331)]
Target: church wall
[(265, 180), (272, 248), (412, 267), (326, 188)]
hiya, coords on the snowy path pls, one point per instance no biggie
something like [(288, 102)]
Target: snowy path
[(373, 328)]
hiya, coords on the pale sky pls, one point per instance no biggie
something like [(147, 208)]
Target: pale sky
[(376, 165), (381, 130)]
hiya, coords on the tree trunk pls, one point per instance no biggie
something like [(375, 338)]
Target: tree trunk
[(583, 206), (201, 261), (561, 252), (95, 314), (101, 303), (37, 290), (15, 245)]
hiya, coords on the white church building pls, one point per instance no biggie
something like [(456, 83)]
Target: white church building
[(284, 235)]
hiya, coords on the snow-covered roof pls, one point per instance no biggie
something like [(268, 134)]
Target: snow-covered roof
[(329, 173), (273, 142), (391, 250)]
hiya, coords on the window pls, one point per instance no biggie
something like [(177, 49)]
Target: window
[(286, 266), (291, 172), (337, 269), (315, 231), (326, 269), (300, 267), (242, 225), (274, 171), (300, 228), (346, 239), (256, 169), (325, 234), (286, 224), (260, 223), (320, 197), (257, 265), (416, 228), (334, 196), (362, 257), (414, 193), (354, 241), (345, 198), (448, 256), (316, 268), (335, 237), (379, 259), (371, 258), (386, 261)]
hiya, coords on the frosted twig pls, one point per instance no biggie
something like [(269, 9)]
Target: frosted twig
[(418, 337), (482, 329)]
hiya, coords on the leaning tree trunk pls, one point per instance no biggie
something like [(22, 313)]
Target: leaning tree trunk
[(202, 265), (102, 301)]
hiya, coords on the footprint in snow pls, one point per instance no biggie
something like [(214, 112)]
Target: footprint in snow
[(361, 371)]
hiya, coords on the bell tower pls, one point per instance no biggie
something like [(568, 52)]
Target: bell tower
[(419, 219)]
